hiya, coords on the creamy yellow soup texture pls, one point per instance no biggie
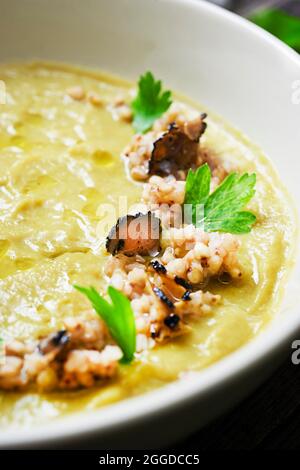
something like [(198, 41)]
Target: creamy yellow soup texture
[(59, 160)]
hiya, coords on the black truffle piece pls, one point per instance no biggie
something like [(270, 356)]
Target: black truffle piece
[(162, 296), (186, 295), (176, 150), (54, 342), (135, 235), (172, 321), (182, 282), (158, 267)]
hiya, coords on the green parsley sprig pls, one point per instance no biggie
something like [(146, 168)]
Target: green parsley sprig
[(222, 209), (150, 103), (118, 316)]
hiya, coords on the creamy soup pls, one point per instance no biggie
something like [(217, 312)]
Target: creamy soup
[(60, 160)]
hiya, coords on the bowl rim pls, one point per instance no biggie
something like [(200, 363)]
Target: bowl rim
[(136, 409)]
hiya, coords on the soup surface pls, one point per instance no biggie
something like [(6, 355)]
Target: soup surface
[(60, 160)]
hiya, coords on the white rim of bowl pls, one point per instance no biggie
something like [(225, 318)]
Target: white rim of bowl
[(136, 409)]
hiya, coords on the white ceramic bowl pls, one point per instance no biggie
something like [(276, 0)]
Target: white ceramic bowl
[(237, 70)]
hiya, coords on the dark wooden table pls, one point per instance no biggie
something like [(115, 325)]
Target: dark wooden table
[(269, 419)]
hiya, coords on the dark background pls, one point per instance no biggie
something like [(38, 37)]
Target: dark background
[(270, 418), (244, 7)]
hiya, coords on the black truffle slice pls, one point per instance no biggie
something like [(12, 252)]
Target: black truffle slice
[(187, 295), (55, 342), (177, 150), (135, 235), (158, 267), (162, 296), (182, 282), (172, 321)]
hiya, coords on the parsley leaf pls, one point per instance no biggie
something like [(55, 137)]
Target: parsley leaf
[(222, 209), (286, 27), (150, 103), (197, 185), (118, 317)]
